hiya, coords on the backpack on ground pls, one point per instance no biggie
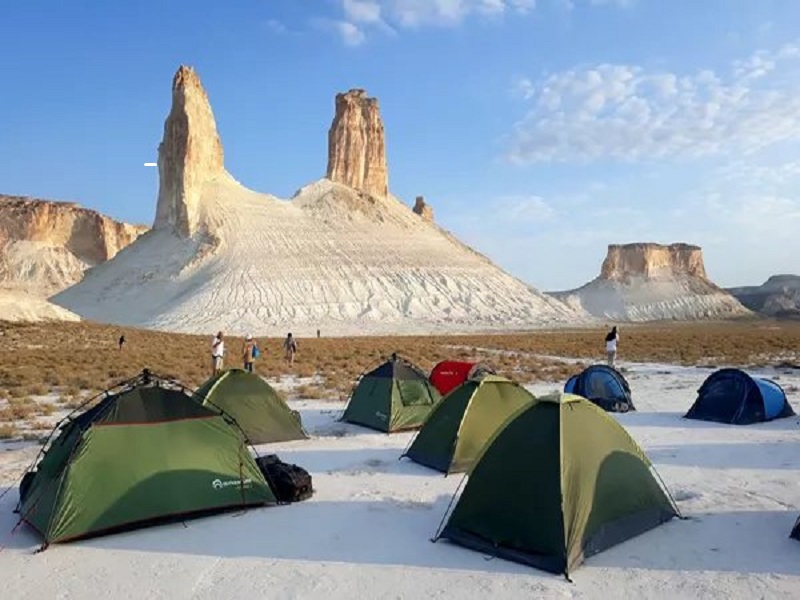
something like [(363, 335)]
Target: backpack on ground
[(289, 482)]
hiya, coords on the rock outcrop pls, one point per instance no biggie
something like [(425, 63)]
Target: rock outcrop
[(624, 261), (189, 156), (649, 282), (779, 296), (357, 145), (423, 209), (342, 255), (46, 246)]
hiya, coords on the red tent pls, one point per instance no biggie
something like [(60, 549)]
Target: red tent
[(450, 374)]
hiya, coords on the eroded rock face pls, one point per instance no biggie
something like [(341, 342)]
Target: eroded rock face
[(652, 261), (46, 246), (423, 209), (357, 145), (189, 155)]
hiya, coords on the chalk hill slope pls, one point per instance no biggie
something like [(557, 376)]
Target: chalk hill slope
[(341, 259)]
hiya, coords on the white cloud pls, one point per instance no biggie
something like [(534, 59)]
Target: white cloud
[(391, 15), (524, 88), (350, 34), (276, 26), (620, 3), (628, 112), (362, 11), (523, 209)]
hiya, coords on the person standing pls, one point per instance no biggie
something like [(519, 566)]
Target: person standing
[(248, 353), (611, 345), (217, 353), (121, 342), (290, 346)]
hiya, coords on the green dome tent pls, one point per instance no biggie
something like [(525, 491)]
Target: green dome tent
[(256, 407), (559, 482), (396, 396), (459, 427), (144, 454)]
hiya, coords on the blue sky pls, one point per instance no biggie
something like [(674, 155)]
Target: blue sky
[(539, 131)]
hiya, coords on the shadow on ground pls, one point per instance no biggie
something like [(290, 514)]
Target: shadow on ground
[(747, 542)]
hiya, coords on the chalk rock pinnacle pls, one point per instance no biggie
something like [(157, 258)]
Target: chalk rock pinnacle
[(423, 209), (189, 155), (357, 144)]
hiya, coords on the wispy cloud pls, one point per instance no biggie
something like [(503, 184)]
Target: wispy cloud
[(348, 32), (359, 17), (276, 26), (629, 112)]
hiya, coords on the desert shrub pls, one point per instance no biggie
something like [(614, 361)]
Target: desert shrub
[(22, 408), (7, 431)]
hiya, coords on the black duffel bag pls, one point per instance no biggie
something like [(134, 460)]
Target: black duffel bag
[(289, 482)]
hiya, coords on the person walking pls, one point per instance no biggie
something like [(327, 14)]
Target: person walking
[(248, 353), (611, 345), (290, 346), (217, 353)]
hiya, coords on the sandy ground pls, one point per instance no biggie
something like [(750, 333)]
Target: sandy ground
[(366, 531)]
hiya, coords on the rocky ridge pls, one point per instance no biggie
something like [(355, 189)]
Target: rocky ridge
[(779, 296)]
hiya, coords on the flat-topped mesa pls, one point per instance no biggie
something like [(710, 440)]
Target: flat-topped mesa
[(423, 209), (652, 261), (189, 155), (357, 144)]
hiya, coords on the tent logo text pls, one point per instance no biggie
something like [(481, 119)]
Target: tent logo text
[(218, 484)]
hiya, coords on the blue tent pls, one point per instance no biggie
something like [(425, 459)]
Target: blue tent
[(604, 386), (732, 396)]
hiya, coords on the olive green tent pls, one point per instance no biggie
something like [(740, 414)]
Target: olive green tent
[(396, 396), (255, 406), (459, 427), (142, 455), (559, 482), (796, 530)]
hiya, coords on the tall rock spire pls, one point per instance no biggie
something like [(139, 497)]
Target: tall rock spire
[(357, 144), (189, 154)]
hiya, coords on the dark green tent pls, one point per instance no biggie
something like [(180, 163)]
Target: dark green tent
[(796, 530), (396, 396), (144, 454), (459, 427), (255, 406), (559, 482)]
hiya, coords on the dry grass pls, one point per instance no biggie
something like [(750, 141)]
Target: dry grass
[(8, 430), (75, 360)]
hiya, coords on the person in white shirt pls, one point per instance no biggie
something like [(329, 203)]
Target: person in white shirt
[(217, 353), (611, 345)]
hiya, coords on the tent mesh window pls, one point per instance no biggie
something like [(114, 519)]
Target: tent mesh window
[(412, 385)]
